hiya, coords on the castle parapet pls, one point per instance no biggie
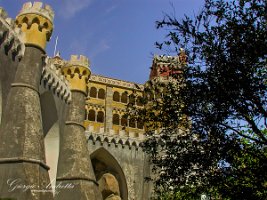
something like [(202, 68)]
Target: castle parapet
[(38, 8), (168, 66), (11, 37), (115, 139), (36, 21), (53, 80), (81, 60), (111, 135), (77, 72)]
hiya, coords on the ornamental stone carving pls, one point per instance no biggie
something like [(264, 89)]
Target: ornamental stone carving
[(11, 36)]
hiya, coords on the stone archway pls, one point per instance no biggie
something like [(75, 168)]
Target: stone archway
[(51, 128), (49, 111), (107, 167), (51, 142)]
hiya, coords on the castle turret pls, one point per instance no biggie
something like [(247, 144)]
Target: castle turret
[(35, 20), (166, 72), (74, 165), (22, 155), (168, 66), (77, 72)]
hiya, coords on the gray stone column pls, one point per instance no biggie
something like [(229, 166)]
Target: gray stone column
[(109, 108), (75, 175), (22, 155)]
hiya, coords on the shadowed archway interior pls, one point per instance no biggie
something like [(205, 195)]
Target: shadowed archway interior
[(51, 132), (101, 157)]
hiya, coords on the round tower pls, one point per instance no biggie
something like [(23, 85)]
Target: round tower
[(77, 72), (74, 163), (36, 21), (22, 153)]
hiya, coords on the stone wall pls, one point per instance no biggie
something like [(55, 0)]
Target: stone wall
[(133, 162)]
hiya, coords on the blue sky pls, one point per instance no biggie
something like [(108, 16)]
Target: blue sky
[(118, 36)]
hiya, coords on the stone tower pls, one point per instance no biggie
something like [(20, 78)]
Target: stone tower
[(22, 158), (74, 166)]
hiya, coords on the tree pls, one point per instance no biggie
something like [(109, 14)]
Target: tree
[(222, 151)]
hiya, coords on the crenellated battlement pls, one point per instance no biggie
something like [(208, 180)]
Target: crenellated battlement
[(168, 66), (81, 60), (77, 66), (36, 21), (53, 80), (38, 8), (77, 72), (110, 138), (180, 59), (11, 36), (165, 63), (165, 59)]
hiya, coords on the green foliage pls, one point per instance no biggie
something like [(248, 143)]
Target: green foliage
[(213, 120), (247, 173)]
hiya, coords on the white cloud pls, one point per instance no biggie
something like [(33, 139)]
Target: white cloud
[(78, 47), (111, 8), (84, 47), (101, 47), (70, 7)]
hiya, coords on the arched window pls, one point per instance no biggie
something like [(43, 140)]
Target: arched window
[(116, 96), (140, 125), (101, 94), (139, 101), (91, 115), (132, 99), (132, 123), (93, 92), (124, 97), (100, 117), (116, 119), (124, 121)]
